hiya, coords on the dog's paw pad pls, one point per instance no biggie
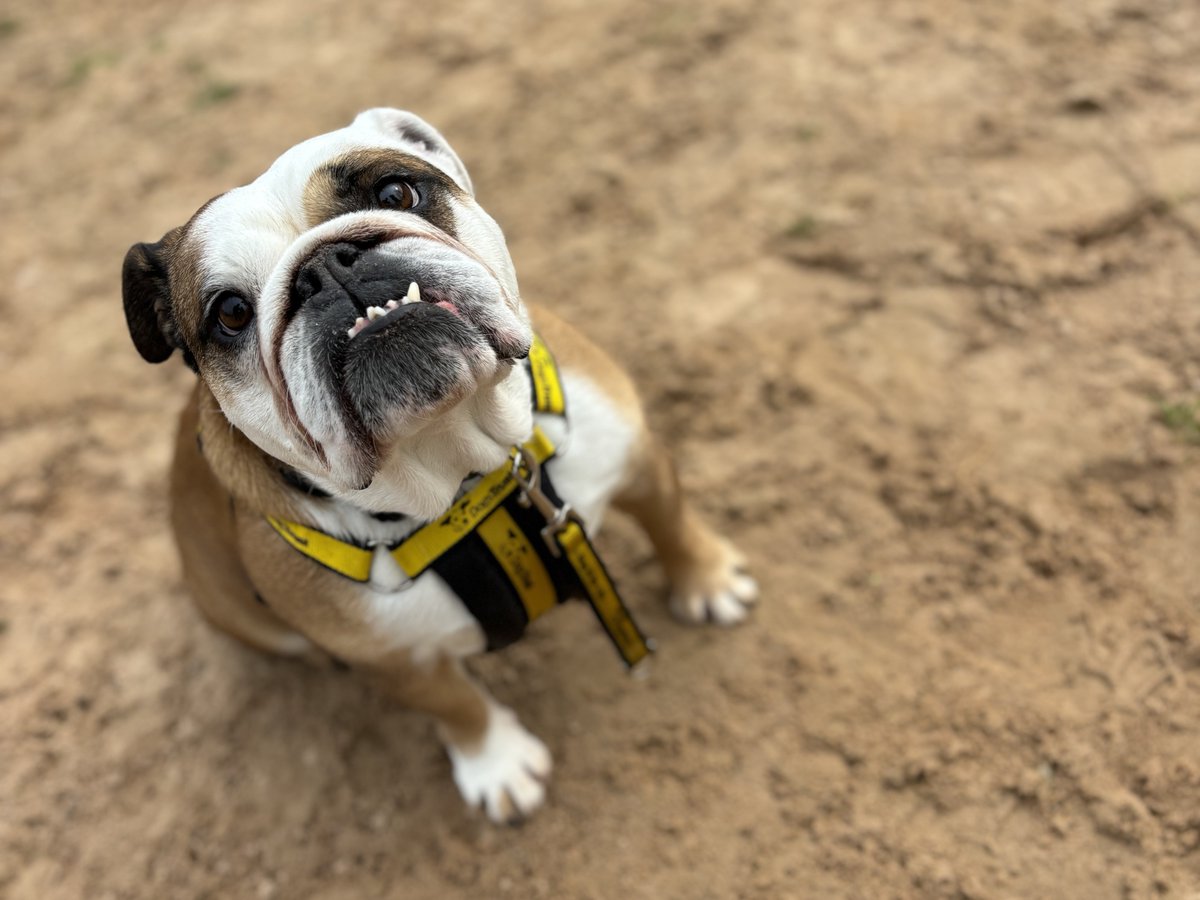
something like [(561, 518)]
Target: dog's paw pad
[(507, 775), (722, 593)]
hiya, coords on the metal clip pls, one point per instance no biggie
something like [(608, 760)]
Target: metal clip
[(527, 472)]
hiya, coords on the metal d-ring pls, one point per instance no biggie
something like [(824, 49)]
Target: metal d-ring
[(557, 517), (525, 457)]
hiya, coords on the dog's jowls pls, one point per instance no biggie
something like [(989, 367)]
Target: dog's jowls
[(355, 321)]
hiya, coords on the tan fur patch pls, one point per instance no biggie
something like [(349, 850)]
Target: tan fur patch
[(212, 565), (245, 472), (347, 183), (320, 200), (186, 286), (573, 351), (443, 690), (182, 253)]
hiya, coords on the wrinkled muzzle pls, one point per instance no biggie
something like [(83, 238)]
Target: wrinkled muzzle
[(376, 337)]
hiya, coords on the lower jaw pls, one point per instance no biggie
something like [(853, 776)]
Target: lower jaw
[(421, 473), (470, 428), (403, 420)]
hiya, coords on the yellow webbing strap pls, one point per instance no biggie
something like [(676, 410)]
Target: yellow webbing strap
[(521, 564), (346, 559), (417, 551), (547, 387), (422, 547), (602, 594)]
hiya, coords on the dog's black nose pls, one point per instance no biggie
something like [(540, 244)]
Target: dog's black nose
[(330, 266)]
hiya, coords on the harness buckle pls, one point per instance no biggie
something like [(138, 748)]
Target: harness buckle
[(527, 472)]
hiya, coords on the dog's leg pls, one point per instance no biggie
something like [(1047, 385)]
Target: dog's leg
[(708, 576), (497, 763)]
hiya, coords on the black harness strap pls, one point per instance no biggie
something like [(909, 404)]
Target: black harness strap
[(471, 571)]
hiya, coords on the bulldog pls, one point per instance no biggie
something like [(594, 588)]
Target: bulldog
[(354, 319)]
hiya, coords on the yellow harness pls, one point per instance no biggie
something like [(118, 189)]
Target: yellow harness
[(485, 545)]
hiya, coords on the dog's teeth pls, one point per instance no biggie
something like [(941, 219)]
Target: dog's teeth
[(391, 304), (374, 312), (414, 293)]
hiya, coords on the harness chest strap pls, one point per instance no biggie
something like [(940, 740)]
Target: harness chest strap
[(602, 595), (417, 552), (548, 394), (483, 546)]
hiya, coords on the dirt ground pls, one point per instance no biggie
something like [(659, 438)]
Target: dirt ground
[(910, 287)]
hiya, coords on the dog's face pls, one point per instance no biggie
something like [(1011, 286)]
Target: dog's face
[(291, 297)]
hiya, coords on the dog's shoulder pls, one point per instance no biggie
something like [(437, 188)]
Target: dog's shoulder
[(581, 359)]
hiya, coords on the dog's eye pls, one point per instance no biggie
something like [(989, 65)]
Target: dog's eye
[(234, 313), (398, 194)]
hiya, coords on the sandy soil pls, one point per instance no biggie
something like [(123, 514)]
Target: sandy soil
[(909, 286)]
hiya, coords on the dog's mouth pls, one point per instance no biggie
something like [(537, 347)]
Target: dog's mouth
[(378, 318), (367, 280)]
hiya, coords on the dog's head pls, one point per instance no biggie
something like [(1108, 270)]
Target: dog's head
[(292, 298)]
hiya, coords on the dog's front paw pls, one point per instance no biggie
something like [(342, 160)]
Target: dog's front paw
[(507, 774), (718, 588)]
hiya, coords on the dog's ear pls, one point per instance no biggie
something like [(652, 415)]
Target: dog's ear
[(428, 141), (147, 295)]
